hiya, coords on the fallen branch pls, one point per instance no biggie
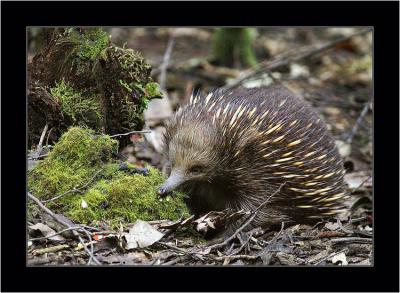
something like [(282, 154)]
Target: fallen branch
[(234, 257), (352, 239), (49, 212), (360, 185), (358, 122), (286, 60), (131, 132)]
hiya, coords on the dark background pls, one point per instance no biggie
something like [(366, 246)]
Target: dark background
[(383, 16)]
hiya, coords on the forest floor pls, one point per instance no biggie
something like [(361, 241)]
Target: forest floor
[(330, 68)]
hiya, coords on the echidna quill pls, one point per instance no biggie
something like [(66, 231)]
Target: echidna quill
[(233, 149)]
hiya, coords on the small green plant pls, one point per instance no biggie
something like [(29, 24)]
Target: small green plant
[(234, 45)]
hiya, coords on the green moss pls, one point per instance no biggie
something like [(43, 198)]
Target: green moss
[(90, 43), (152, 90), (93, 42), (112, 195), (73, 160), (76, 104), (126, 199)]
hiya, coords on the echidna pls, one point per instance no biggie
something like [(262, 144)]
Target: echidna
[(233, 149)]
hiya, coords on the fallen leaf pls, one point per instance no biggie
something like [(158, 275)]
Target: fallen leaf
[(297, 70), (216, 220), (344, 148), (355, 179), (332, 226), (368, 228), (142, 234), (46, 231), (340, 258)]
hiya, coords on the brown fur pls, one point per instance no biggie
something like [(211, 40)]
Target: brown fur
[(234, 149)]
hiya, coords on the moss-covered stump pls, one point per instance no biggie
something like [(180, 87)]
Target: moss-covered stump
[(81, 78), (111, 194)]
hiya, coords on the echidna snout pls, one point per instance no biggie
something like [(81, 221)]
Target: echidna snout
[(234, 149), (172, 183)]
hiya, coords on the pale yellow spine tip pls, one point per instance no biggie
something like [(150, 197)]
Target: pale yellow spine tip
[(296, 142)]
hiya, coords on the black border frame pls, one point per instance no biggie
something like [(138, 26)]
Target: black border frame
[(383, 16)]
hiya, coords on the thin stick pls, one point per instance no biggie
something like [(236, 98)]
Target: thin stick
[(238, 256), (40, 145), (48, 135), (358, 122), (131, 132), (164, 65), (350, 231), (57, 233), (361, 184), (330, 256), (48, 211), (352, 239), (75, 189), (241, 247)]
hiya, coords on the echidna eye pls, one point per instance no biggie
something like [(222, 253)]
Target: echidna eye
[(196, 169)]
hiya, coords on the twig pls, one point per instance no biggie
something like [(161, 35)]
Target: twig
[(48, 211), (352, 239), (238, 256), (40, 145), (57, 233), (330, 256), (272, 241), (278, 234), (361, 184), (358, 122), (175, 260), (185, 252), (286, 60), (48, 135), (174, 247), (164, 65), (241, 247), (50, 249), (75, 189), (130, 132), (253, 214), (360, 219)]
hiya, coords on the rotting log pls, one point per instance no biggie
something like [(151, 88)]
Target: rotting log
[(80, 78)]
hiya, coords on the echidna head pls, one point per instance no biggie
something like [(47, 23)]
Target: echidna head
[(191, 156)]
